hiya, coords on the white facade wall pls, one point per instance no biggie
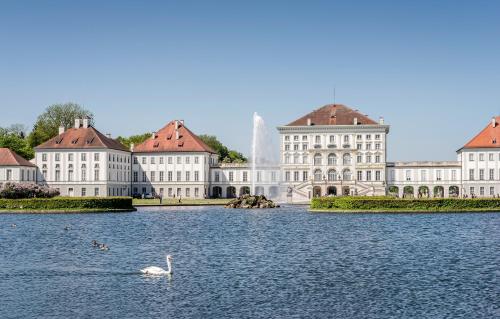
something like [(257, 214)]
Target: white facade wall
[(343, 159), (85, 172), (173, 174), (18, 174), (480, 172), (424, 179)]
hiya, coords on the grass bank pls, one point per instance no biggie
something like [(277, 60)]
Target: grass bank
[(66, 205), (394, 205), (184, 202)]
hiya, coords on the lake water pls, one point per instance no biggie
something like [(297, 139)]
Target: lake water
[(284, 263)]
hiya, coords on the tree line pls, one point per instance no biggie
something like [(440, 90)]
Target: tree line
[(21, 140)]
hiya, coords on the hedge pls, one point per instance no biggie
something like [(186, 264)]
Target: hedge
[(394, 204), (68, 203)]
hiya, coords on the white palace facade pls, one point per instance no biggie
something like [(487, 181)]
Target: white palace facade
[(332, 151)]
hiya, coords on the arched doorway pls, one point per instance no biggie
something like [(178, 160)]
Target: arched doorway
[(217, 192), (245, 190), (408, 191), (231, 192), (439, 191), (394, 191), (273, 191), (317, 191), (332, 191), (259, 190), (454, 191), (346, 191), (423, 192)]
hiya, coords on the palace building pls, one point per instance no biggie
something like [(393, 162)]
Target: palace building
[(332, 151)]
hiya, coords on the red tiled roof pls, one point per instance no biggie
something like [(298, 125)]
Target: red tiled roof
[(11, 158), (489, 137), (82, 138), (333, 114), (165, 140)]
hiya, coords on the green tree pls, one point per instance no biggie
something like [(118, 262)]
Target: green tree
[(47, 124), (14, 139), (225, 155), (135, 139)]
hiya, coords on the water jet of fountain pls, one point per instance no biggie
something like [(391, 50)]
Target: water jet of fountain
[(263, 153)]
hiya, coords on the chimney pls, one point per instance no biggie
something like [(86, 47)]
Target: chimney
[(182, 122), (355, 121), (153, 135), (309, 122), (177, 134), (132, 147), (77, 123), (493, 122), (61, 129), (86, 122), (381, 120), (176, 125), (108, 135)]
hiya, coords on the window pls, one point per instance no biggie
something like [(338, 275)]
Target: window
[(44, 157), (359, 159), (196, 192), (162, 160), (453, 175), (179, 176), (196, 161), (408, 175), (162, 175), (188, 176), (169, 176), (304, 137), (188, 160), (377, 158), (273, 176), (332, 175), (96, 157), (296, 176), (58, 157), (296, 158), (472, 190), (359, 137), (481, 174), (318, 175), (377, 137), (96, 191), (360, 175), (144, 177), (481, 191), (492, 174), (481, 157), (84, 173), (368, 137), (347, 176), (169, 192), (169, 160), (347, 159), (217, 177), (377, 146), (287, 176), (305, 159), (317, 139), (346, 138), (152, 160), (96, 174), (332, 159), (296, 147), (368, 146), (231, 176), (491, 157), (471, 174), (304, 147), (179, 192), (332, 139), (58, 175), (471, 157), (377, 176), (84, 192), (179, 160), (9, 175), (368, 175), (135, 160), (196, 176), (287, 147), (287, 138), (368, 158), (359, 146), (438, 175), (492, 191), (423, 175), (317, 159), (70, 157), (188, 192), (245, 176), (136, 177), (305, 175)]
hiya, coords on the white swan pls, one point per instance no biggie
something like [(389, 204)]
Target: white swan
[(157, 271)]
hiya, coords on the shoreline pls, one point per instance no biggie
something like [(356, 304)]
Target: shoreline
[(66, 211), (402, 211)]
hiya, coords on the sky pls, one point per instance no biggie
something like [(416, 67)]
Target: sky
[(430, 68)]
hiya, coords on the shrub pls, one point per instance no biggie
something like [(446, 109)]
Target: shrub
[(68, 203), (26, 190), (393, 204)]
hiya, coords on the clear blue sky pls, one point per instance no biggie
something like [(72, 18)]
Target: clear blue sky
[(431, 68)]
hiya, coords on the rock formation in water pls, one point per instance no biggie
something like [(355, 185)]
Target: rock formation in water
[(248, 201)]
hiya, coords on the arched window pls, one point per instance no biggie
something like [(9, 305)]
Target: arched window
[(332, 159), (347, 159), (318, 175), (332, 175), (368, 157), (84, 166), (346, 175), (296, 158), (317, 159)]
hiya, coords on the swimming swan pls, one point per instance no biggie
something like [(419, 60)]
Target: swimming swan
[(157, 271)]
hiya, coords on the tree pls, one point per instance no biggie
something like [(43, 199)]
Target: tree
[(135, 139), (47, 124), (14, 139), (225, 155)]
